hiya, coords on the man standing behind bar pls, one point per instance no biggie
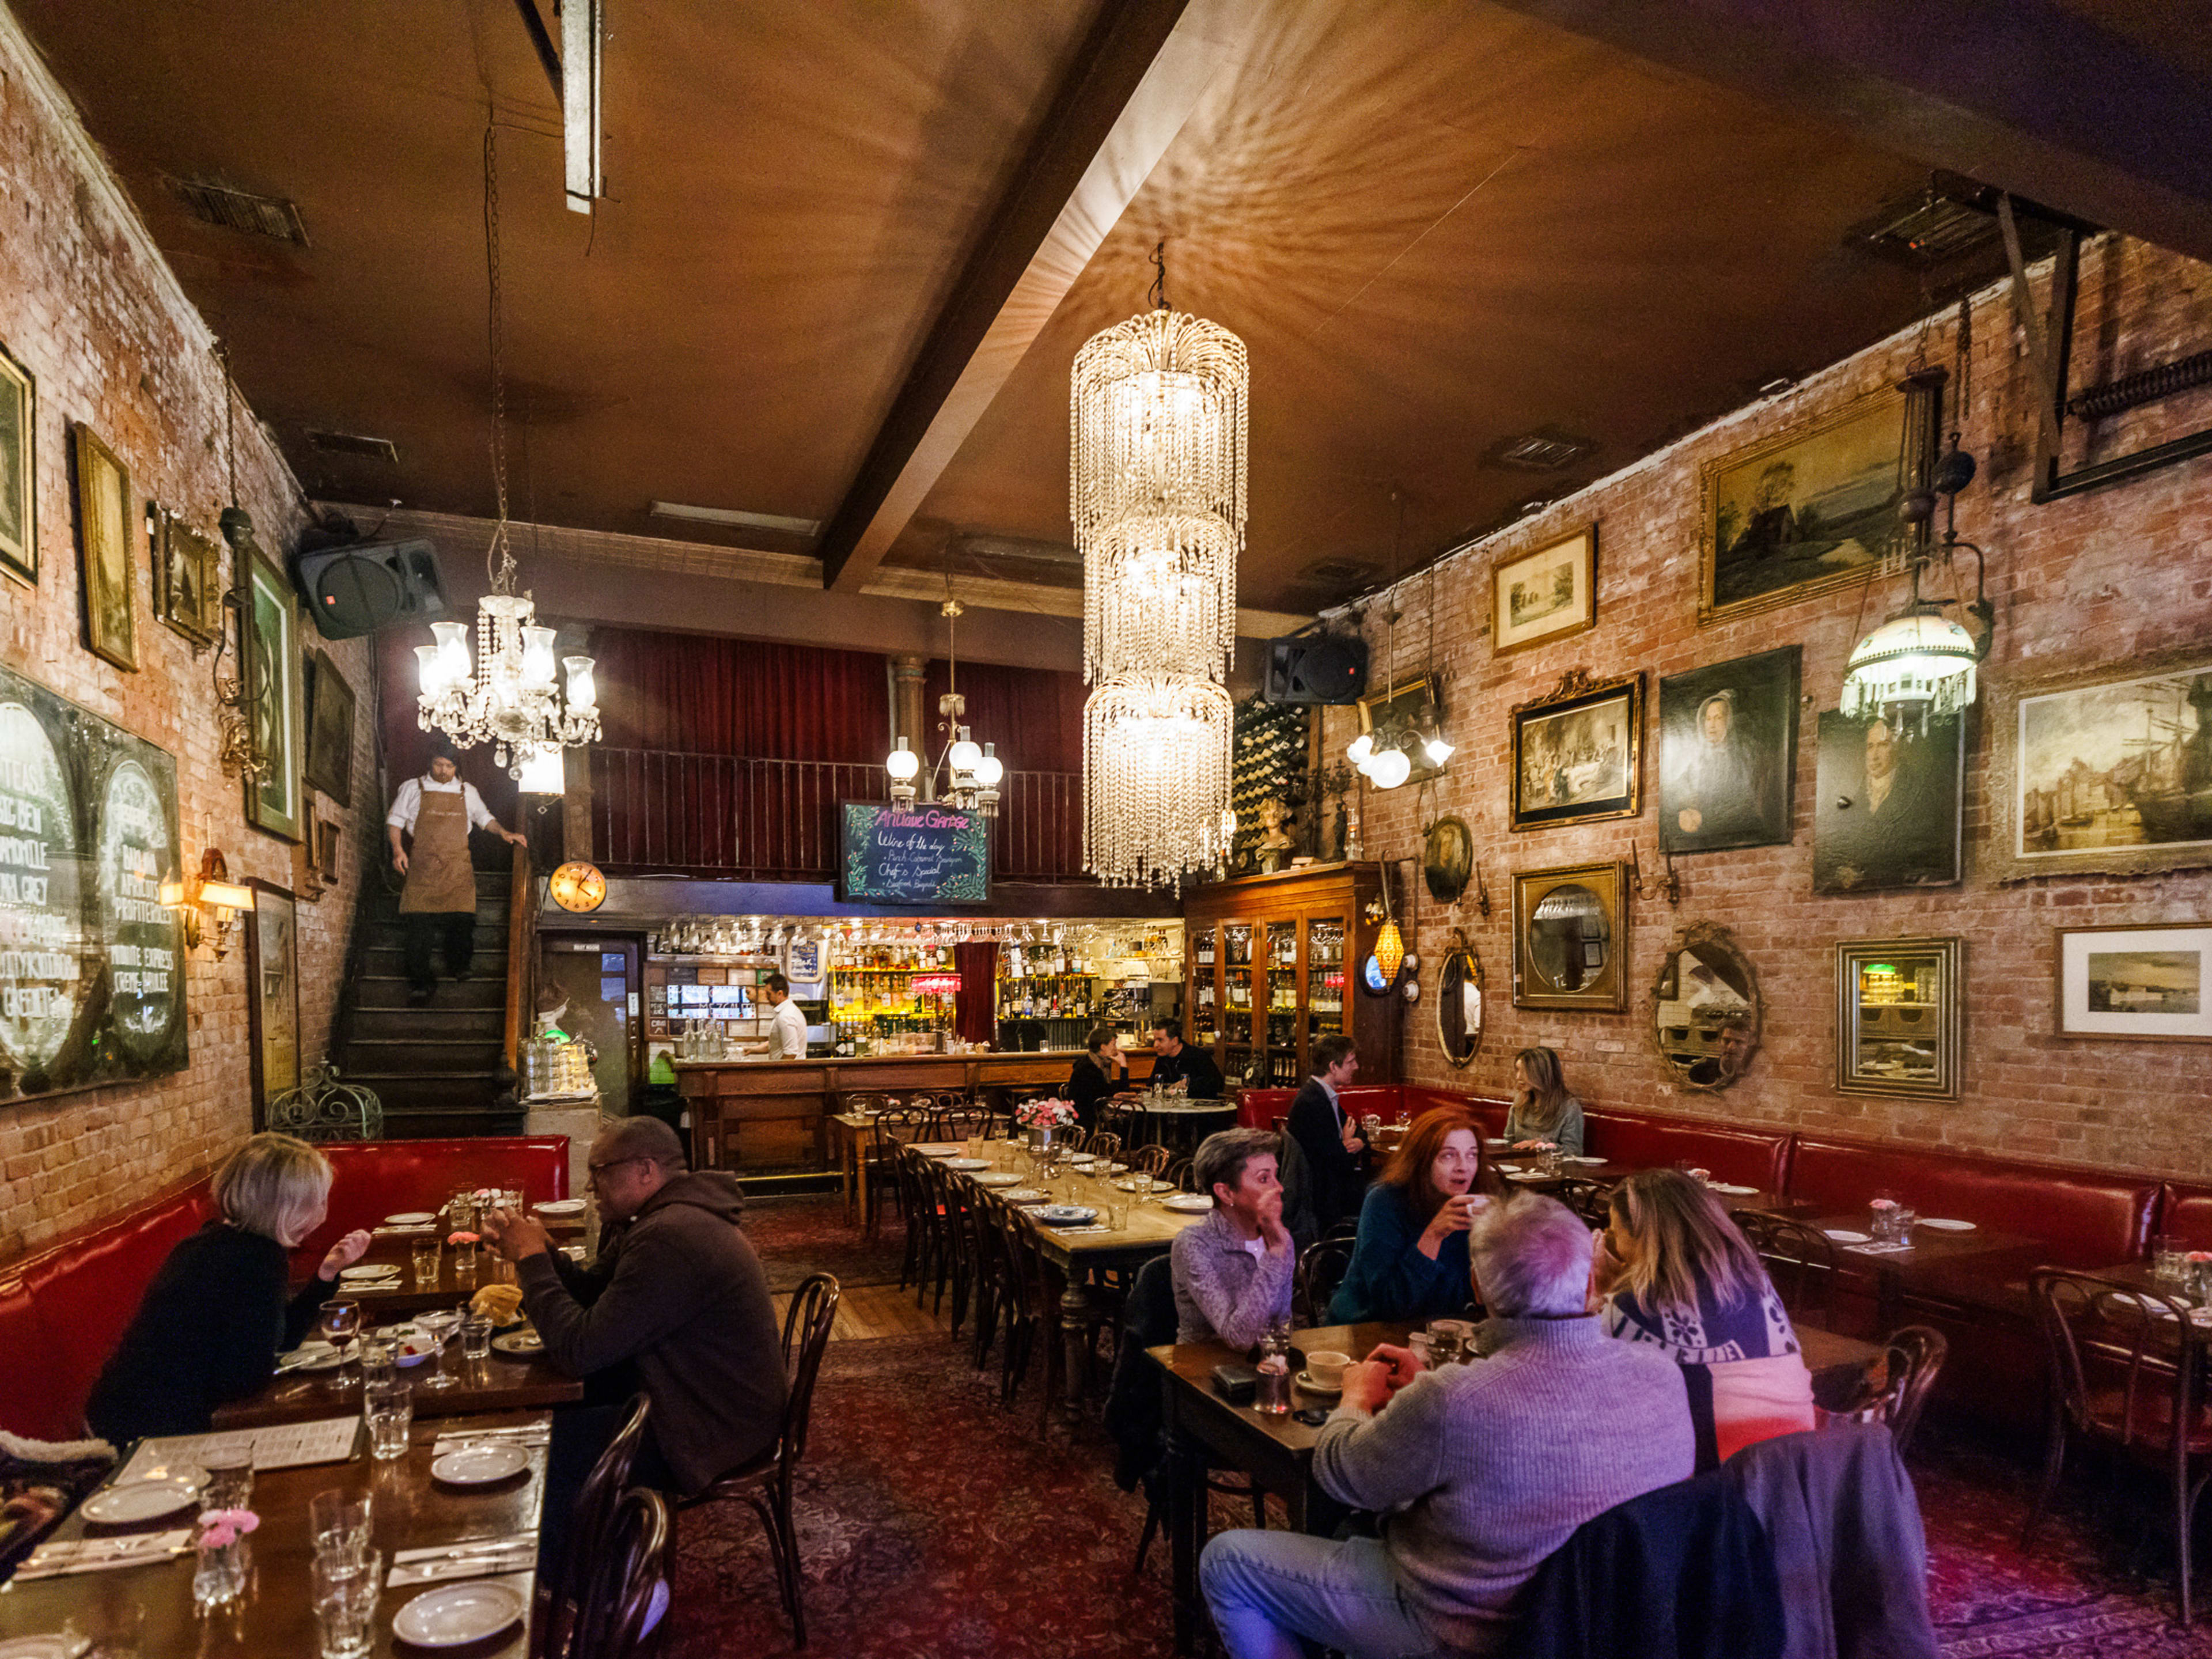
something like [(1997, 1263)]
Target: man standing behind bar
[(437, 810)]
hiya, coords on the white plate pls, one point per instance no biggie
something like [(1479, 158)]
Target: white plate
[(409, 1218), (479, 1466), (999, 1178), (1305, 1380), (949, 1152), (42, 1647), (1191, 1203), (1022, 1195), (1730, 1187), (141, 1500), (560, 1206), (1497, 1143), (967, 1163), (1117, 1169), (1845, 1235), (1065, 1214), (1570, 1157), (520, 1342), (314, 1357), (453, 1615), (1526, 1175), (1945, 1225), (377, 1270)]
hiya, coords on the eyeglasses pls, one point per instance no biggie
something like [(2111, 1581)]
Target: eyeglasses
[(595, 1170)]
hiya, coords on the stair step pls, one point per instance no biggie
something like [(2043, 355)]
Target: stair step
[(386, 993), (435, 1021), (392, 935), (397, 1056), (444, 1092), (390, 961), (448, 1123)]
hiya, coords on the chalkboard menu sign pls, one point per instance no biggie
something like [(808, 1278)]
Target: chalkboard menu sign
[(928, 854), (91, 963)]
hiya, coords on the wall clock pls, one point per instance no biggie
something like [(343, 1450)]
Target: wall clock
[(578, 886)]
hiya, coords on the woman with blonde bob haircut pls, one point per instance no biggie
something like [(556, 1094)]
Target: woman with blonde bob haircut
[(216, 1314), (1674, 1271)]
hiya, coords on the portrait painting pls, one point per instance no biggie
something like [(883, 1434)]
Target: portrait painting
[(1545, 595), (1447, 858), (1576, 753), (187, 578), (2148, 983), (329, 730), (1801, 512), (2108, 773), (106, 526), (1888, 812), (272, 673), (1727, 753), (19, 530)]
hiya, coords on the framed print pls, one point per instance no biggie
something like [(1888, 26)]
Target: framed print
[(1898, 1003), (19, 477), (187, 577), (1727, 753), (1803, 512), (1403, 706), (328, 836), (1570, 938), (272, 1003), (272, 670), (329, 730), (1546, 595), (1889, 806), (2104, 773), (1577, 752), (107, 518), (2148, 981)]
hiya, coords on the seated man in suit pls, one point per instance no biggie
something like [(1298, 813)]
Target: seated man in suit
[(1177, 1061), (1328, 1136)]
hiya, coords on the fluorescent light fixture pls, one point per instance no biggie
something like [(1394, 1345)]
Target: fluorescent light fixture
[(580, 100), (731, 516)]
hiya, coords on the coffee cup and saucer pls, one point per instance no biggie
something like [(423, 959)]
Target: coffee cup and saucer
[(1324, 1372)]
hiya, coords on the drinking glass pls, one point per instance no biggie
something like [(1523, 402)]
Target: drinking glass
[(1117, 1216), (229, 1476), (1419, 1345), (1883, 1211), (340, 1323), (380, 1360), (1271, 1397), (106, 1629), (388, 1409), (475, 1336), (2168, 1251), (437, 1326), (345, 1597), (462, 1213), (511, 1200), (1447, 1340), (426, 1263), (340, 1520)]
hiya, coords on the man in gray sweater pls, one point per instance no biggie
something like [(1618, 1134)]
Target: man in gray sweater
[(1480, 1470)]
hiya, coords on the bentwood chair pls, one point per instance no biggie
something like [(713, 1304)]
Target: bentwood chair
[(1104, 1144), (1182, 1174), (1911, 1360), (765, 1483), (627, 1592), (1590, 1200), (1321, 1269), (1150, 1160), (554, 1625), (1800, 1260), (878, 1166), (2127, 1370)]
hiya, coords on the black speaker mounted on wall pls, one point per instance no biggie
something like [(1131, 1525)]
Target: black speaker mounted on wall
[(1316, 668), (357, 589)]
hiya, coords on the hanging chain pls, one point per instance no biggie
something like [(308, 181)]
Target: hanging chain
[(499, 561), (1157, 295), (1963, 389)]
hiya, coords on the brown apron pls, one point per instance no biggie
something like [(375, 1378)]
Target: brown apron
[(440, 878)]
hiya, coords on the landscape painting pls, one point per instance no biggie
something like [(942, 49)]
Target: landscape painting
[(2125, 764), (2146, 983), (1804, 511), (1545, 595)]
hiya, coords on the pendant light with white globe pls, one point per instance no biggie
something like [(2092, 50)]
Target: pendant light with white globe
[(972, 771)]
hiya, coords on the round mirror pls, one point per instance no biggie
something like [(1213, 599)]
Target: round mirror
[(1459, 1001), (1569, 938), (1705, 1008)]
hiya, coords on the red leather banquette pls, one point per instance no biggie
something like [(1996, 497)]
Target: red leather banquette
[(63, 1307)]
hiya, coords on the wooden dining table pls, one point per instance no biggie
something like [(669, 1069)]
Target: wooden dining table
[(1205, 1431), (502, 1383), (275, 1618), (1606, 1172), (384, 1301), (1971, 1267)]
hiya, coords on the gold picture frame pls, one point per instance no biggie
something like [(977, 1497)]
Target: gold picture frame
[(1570, 938), (19, 471), (1577, 753), (1899, 1007), (1399, 706), (107, 513), (188, 583), (1807, 510), (1546, 595)]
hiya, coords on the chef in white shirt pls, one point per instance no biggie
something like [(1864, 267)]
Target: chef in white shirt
[(787, 1029), (435, 814)]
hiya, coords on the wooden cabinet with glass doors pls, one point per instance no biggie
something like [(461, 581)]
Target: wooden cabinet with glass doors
[(1272, 964)]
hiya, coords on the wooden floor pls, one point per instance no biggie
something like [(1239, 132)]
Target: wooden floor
[(868, 1310)]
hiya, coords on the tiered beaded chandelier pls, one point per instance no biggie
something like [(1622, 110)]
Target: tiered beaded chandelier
[(1157, 490)]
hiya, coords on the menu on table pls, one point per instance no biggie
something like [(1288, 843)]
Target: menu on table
[(282, 1446)]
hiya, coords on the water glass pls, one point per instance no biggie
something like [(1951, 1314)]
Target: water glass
[(106, 1629), (475, 1336), (1117, 1216), (345, 1597), (388, 1409), (426, 1263), (2168, 1251), (1418, 1345), (462, 1213), (380, 1360), (229, 1476), (340, 1520), (1447, 1340), (1270, 1397)]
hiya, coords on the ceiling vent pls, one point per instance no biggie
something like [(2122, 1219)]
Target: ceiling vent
[(1545, 450), (238, 209), (1953, 222), (1339, 574), (348, 443)]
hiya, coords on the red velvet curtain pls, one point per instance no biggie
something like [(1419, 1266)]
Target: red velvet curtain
[(975, 1008), (1034, 715), (705, 696)]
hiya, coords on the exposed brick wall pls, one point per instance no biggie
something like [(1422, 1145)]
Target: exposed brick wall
[(2093, 581), (86, 306)]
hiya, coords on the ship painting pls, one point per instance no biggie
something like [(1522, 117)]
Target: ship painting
[(2126, 764)]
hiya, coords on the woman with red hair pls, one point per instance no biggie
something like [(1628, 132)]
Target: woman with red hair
[(1410, 1261)]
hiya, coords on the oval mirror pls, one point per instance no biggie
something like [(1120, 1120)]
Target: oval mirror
[(1705, 1008), (1459, 1001), (1569, 941)]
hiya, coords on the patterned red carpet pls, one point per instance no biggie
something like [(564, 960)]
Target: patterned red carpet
[(796, 1237)]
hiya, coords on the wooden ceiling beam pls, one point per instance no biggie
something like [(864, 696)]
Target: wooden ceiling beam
[(1135, 80), (2028, 95)]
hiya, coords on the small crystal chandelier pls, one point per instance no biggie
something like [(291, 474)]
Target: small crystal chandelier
[(972, 772), (507, 696), (1156, 759)]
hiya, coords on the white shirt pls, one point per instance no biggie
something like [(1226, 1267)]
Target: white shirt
[(786, 1034), (1334, 1105), (407, 802)]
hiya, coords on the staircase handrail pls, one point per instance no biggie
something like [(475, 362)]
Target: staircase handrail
[(522, 903)]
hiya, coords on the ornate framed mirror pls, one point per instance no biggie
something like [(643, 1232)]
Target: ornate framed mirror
[(1459, 1001), (1705, 1008)]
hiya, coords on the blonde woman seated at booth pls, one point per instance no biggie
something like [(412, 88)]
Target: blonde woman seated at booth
[(1672, 1270), (1544, 1113)]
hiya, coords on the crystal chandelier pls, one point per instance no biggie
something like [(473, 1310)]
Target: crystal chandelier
[(1156, 780), (507, 695)]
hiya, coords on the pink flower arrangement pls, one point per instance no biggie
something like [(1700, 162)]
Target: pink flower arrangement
[(2199, 1256), (1883, 1204), (462, 1238), (1046, 1114), (485, 1194), (1703, 1176), (220, 1529)]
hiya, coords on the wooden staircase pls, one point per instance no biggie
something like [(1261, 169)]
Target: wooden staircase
[(442, 1070)]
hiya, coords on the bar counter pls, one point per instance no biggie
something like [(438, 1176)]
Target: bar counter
[(762, 1116)]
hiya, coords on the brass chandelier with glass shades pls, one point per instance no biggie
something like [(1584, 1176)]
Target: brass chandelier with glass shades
[(1157, 490), (507, 695)]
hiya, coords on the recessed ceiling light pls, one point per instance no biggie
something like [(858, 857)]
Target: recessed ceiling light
[(732, 515)]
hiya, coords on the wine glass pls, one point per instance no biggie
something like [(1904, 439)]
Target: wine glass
[(340, 1323), (438, 1325)]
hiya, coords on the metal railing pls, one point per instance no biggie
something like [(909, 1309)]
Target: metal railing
[(741, 818)]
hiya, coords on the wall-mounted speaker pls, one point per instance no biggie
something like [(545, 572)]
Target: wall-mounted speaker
[(1316, 668), (355, 590)]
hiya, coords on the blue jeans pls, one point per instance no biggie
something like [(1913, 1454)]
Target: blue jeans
[(1268, 1588)]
